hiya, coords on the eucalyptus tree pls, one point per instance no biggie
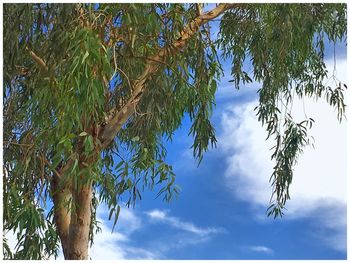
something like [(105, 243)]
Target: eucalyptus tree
[(92, 91)]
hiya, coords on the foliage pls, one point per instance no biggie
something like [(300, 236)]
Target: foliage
[(69, 67), (285, 44)]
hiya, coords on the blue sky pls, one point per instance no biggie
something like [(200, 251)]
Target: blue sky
[(220, 212)]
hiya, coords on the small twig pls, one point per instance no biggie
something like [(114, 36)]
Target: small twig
[(121, 71), (19, 144), (95, 19), (38, 60)]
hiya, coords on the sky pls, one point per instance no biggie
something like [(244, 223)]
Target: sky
[(221, 210)]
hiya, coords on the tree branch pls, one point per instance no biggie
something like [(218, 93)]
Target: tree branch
[(116, 121)]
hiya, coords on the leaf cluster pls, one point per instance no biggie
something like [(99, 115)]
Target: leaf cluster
[(285, 47)]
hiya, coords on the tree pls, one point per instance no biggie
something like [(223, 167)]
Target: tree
[(91, 92)]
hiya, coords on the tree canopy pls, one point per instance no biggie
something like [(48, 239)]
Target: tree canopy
[(93, 91)]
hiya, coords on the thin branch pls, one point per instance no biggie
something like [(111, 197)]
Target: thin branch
[(166, 64), (49, 165), (199, 8), (121, 71), (38, 60)]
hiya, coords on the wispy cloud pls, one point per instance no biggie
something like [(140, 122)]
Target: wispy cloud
[(162, 216), (189, 234), (330, 225), (261, 249)]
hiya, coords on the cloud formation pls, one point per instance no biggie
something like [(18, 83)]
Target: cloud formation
[(319, 177), (162, 216)]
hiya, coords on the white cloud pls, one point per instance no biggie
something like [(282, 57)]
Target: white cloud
[(108, 245), (242, 140), (189, 234), (162, 216), (320, 175), (128, 221), (157, 214), (11, 240), (261, 249), (116, 245)]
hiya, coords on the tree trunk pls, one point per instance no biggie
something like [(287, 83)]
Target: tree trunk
[(80, 223), (72, 214)]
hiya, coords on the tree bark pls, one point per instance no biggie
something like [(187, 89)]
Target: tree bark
[(61, 196), (72, 215), (80, 223)]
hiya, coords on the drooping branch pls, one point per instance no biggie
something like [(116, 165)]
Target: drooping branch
[(116, 121)]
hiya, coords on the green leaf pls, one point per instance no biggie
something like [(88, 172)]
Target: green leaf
[(129, 183), (89, 144), (85, 56), (82, 134), (135, 139), (116, 217), (111, 213)]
